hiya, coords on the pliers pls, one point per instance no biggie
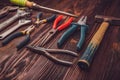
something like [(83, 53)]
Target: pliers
[(4, 11), (46, 52), (72, 29), (55, 29), (27, 32)]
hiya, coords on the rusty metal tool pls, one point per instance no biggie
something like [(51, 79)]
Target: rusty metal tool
[(87, 57), (46, 52), (4, 11), (81, 23), (20, 13), (27, 31), (14, 28), (34, 5), (55, 29)]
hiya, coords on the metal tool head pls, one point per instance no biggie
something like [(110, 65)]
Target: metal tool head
[(82, 20), (24, 21), (23, 12), (6, 10), (12, 8), (29, 29), (112, 20), (47, 37)]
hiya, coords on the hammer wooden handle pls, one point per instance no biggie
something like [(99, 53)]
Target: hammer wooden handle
[(85, 60)]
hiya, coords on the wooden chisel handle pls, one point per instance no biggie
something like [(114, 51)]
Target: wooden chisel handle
[(85, 60)]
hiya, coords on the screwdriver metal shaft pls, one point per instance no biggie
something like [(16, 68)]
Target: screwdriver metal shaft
[(54, 10), (32, 4)]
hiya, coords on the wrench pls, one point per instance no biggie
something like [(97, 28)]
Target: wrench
[(20, 13), (6, 10), (20, 23)]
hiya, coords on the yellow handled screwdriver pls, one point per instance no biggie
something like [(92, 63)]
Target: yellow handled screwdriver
[(32, 4)]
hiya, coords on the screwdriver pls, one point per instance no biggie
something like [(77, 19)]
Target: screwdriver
[(32, 4)]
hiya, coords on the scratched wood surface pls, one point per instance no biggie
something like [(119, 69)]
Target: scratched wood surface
[(26, 65)]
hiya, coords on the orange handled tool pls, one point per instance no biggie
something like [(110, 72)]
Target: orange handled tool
[(55, 29)]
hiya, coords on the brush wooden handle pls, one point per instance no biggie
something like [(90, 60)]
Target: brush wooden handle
[(85, 60)]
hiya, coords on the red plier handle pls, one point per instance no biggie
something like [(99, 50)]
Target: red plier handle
[(57, 20), (64, 25)]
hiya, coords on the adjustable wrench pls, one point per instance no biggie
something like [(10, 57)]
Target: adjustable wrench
[(20, 13), (6, 10), (20, 23)]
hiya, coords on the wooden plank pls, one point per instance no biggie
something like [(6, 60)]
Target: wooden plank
[(26, 65)]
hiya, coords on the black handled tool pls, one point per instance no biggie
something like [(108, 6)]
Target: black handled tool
[(27, 31), (46, 52), (18, 34)]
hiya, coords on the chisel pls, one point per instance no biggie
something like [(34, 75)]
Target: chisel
[(32, 4)]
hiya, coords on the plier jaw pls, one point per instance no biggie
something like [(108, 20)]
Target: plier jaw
[(29, 30), (49, 19), (48, 37), (55, 29)]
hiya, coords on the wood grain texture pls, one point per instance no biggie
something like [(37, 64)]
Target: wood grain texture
[(26, 65)]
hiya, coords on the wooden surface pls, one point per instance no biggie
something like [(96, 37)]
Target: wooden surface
[(26, 65)]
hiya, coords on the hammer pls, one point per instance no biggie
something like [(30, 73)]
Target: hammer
[(87, 57)]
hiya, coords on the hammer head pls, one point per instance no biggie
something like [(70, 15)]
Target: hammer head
[(111, 20)]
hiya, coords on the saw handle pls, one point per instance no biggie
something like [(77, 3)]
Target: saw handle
[(87, 57)]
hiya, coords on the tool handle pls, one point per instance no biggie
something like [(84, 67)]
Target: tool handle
[(24, 42), (58, 19), (39, 15), (87, 57), (65, 25), (11, 37), (9, 31), (14, 28), (22, 3), (67, 34), (51, 18), (82, 36), (8, 22)]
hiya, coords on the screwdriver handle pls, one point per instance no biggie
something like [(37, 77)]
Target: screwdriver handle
[(87, 57), (67, 34), (22, 3), (82, 36), (65, 25)]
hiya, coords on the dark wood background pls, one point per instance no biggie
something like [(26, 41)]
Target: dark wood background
[(26, 65)]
